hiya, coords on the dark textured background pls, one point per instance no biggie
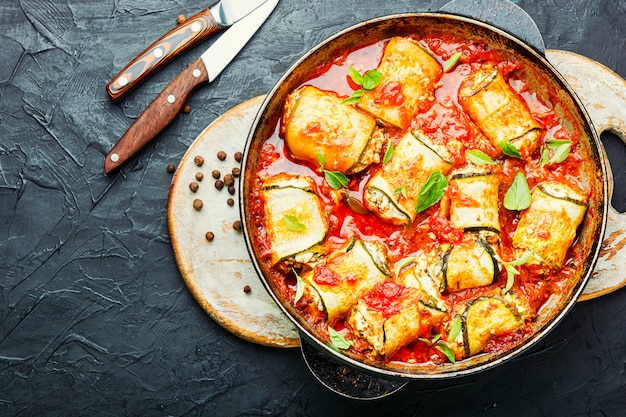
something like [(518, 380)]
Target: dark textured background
[(94, 316)]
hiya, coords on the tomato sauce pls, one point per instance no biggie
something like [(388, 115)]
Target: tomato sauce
[(444, 122)]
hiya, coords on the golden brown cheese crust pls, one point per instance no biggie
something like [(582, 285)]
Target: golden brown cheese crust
[(409, 67), (499, 112), (317, 122)]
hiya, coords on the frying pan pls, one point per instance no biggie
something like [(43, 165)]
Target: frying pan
[(541, 77)]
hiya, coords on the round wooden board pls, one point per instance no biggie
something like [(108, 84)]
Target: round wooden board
[(216, 272)]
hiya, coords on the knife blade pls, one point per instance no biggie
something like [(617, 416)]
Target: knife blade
[(171, 101), (186, 35)]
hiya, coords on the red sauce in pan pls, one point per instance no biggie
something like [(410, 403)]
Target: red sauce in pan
[(445, 119)]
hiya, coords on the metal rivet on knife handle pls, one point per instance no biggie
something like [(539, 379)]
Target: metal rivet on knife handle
[(172, 44)]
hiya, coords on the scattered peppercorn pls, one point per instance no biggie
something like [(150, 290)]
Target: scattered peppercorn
[(230, 202), (236, 172), (187, 108), (181, 19), (197, 204), (231, 190), (209, 236), (199, 176), (171, 168), (193, 186), (198, 160), (247, 289), (221, 155), (229, 179), (237, 225), (216, 174), (238, 156), (219, 184)]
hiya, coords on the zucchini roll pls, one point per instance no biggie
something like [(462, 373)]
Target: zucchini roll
[(348, 274), (469, 264), (425, 275), (392, 192), (391, 316), (474, 200), (317, 122), (410, 75), (296, 221), (499, 112), (487, 317), (548, 227)]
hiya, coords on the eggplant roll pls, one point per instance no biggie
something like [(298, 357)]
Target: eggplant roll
[(499, 111), (296, 221), (348, 274), (317, 122), (391, 323), (474, 201), (469, 264), (548, 227), (484, 318), (393, 190), (410, 75)]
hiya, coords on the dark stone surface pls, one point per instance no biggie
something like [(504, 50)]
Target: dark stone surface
[(94, 316)]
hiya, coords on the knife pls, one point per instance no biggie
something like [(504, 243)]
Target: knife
[(187, 34), (170, 102)]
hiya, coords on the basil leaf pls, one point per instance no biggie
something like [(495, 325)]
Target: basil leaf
[(354, 97), (355, 204), (445, 349), (337, 340), (321, 159), (451, 62), (371, 79), (336, 180), (509, 149), (400, 190), (432, 191), (399, 266), (522, 259), (479, 157), (510, 277), (388, 152), (423, 339), (293, 223), (436, 338), (518, 195), (355, 75), (561, 149), (455, 329), (299, 287)]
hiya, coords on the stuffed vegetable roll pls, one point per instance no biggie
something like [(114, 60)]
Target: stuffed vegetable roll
[(548, 227), (469, 264), (317, 122), (499, 111), (296, 222), (392, 192), (474, 201), (410, 76), (391, 316), (348, 274)]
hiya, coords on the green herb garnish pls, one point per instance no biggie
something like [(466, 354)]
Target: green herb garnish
[(401, 190), (388, 152), (518, 195), (293, 223), (479, 157), (440, 345), (432, 191), (452, 61), (455, 329), (367, 81), (337, 340), (561, 150), (511, 271), (354, 203), (509, 149), (335, 180), (399, 266)]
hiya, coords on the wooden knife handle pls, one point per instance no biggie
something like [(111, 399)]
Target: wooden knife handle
[(158, 115), (172, 44)]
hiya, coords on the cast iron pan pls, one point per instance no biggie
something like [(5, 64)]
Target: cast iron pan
[(509, 29)]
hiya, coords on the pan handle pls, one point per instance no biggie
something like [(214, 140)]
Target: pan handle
[(603, 94), (504, 15)]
